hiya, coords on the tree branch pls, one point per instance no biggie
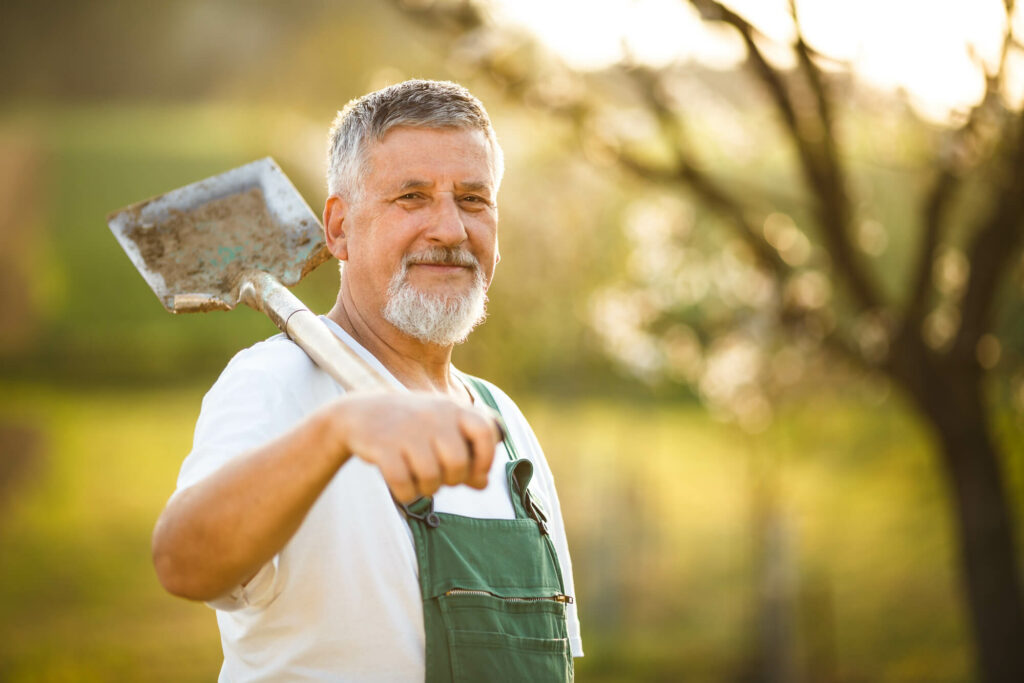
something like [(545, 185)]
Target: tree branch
[(701, 184), (819, 161), (822, 98), (954, 160), (936, 206), (715, 198), (711, 10), (991, 251)]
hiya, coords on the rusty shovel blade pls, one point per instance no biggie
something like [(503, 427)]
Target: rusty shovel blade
[(194, 245), (241, 236)]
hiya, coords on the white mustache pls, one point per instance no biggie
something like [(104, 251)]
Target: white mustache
[(442, 256)]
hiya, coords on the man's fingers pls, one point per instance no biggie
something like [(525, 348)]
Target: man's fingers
[(482, 435), (423, 444), (425, 468), (453, 454), (398, 477)]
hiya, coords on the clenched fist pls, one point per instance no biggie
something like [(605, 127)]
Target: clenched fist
[(419, 441)]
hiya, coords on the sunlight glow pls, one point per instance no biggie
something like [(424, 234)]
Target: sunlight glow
[(923, 47)]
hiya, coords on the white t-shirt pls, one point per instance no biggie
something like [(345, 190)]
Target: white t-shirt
[(341, 600)]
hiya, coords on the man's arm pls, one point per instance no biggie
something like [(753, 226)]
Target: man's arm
[(217, 533)]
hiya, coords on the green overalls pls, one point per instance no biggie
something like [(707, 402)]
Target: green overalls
[(493, 598)]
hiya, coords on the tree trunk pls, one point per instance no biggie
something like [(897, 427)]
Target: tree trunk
[(953, 405)]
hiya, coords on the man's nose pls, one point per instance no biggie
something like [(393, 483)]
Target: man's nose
[(446, 225)]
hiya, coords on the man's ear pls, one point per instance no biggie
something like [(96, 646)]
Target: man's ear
[(335, 229)]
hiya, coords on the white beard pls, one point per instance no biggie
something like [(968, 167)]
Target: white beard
[(436, 319)]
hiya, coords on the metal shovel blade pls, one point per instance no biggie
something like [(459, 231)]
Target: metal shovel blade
[(241, 236), (194, 244)]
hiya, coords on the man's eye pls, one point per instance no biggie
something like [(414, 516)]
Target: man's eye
[(411, 195), (474, 199)]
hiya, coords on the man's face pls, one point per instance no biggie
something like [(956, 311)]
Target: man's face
[(429, 194)]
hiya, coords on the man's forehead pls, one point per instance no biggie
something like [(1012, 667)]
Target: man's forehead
[(412, 157), (401, 140)]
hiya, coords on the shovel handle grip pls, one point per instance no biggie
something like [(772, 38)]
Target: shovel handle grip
[(264, 293)]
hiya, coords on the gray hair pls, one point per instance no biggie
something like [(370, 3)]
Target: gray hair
[(415, 103)]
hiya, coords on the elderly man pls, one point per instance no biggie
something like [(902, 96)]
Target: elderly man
[(370, 536)]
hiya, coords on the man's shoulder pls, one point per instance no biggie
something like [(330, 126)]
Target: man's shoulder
[(277, 356), (264, 390), (274, 367)]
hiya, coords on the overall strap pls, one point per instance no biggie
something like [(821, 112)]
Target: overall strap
[(488, 397), (519, 470)]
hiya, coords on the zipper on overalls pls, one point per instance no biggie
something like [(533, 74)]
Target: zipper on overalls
[(557, 597)]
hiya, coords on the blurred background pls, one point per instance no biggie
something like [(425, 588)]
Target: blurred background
[(760, 296)]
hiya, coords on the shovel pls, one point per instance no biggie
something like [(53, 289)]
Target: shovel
[(241, 236)]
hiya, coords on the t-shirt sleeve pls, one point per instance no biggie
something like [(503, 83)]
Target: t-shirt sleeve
[(247, 407), (523, 433)]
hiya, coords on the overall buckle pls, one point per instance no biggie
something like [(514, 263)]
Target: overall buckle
[(427, 515)]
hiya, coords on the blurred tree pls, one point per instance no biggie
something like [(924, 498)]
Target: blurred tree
[(776, 297)]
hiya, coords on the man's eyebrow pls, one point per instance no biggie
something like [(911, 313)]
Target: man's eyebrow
[(474, 186), (468, 186)]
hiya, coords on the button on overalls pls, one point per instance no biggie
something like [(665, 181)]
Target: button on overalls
[(493, 598)]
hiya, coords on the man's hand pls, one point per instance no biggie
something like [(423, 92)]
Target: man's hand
[(418, 441)]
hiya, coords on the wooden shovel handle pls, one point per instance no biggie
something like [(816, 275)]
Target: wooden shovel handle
[(264, 293)]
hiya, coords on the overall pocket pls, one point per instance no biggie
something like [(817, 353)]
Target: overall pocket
[(481, 656), (499, 638)]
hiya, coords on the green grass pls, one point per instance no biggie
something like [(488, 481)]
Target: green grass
[(79, 598), (660, 503)]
